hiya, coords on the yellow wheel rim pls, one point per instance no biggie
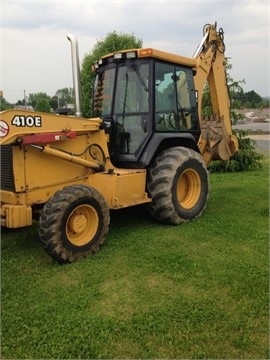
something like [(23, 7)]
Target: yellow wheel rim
[(82, 225), (188, 188)]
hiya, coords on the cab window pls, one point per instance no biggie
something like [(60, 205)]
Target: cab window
[(175, 103)]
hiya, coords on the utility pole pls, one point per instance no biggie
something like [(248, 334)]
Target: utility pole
[(24, 96)]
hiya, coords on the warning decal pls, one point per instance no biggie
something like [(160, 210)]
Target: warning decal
[(4, 129)]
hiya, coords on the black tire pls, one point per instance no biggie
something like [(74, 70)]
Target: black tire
[(74, 223), (178, 185)]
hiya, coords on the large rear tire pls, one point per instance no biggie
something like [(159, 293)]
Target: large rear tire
[(178, 185), (74, 223)]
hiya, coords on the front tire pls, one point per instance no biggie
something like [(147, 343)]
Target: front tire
[(178, 185), (74, 223)]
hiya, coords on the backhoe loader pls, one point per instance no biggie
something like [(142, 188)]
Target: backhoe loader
[(147, 143)]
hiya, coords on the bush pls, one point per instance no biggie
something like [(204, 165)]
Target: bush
[(246, 158)]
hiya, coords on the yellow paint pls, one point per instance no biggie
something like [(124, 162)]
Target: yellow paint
[(16, 216)]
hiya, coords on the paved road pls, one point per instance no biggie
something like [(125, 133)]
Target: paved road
[(262, 141), (260, 126), (263, 146)]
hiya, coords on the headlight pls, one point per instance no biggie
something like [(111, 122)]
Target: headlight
[(131, 55), (118, 56)]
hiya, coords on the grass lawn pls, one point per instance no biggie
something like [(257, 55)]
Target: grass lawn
[(199, 290)]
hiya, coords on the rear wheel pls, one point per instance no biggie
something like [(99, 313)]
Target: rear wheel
[(178, 185), (74, 223)]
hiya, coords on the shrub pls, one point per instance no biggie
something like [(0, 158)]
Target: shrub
[(246, 158)]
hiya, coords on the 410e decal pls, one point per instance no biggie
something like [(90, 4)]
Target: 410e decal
[(26, 121)]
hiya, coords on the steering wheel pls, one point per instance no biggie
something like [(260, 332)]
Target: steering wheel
[(170, 120)]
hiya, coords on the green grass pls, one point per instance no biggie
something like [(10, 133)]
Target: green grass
[(199, 290)]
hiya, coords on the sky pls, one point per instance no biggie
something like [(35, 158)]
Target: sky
[(35, 54)]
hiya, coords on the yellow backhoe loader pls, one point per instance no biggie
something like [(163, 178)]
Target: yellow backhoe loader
[(147, 143)]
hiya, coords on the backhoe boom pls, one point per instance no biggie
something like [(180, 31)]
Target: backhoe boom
[(216, 140)]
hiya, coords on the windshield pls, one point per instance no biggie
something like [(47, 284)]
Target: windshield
[(131, 90)]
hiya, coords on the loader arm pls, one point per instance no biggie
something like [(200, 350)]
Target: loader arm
[(216, 140)]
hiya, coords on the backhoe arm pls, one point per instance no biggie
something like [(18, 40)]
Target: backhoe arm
[(216, 140)]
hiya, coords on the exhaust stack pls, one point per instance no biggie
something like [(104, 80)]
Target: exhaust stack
[(75, 72)]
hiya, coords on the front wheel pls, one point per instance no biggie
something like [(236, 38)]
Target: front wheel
[(178, 185), (74, 223)]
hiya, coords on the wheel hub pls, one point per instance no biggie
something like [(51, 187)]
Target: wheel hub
[(78, 224), (82, 225)]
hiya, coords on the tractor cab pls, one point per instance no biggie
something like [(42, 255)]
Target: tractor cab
[(139, 96)]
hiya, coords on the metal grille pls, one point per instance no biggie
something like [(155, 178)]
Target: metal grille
[(7, 178)]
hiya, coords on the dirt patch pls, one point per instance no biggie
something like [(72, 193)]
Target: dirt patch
[(255, 115)]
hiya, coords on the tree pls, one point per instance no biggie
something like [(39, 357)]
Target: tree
[(252, 99), (62, 98), (33, 98), (111, 43), (4, 105), (43, 105)]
